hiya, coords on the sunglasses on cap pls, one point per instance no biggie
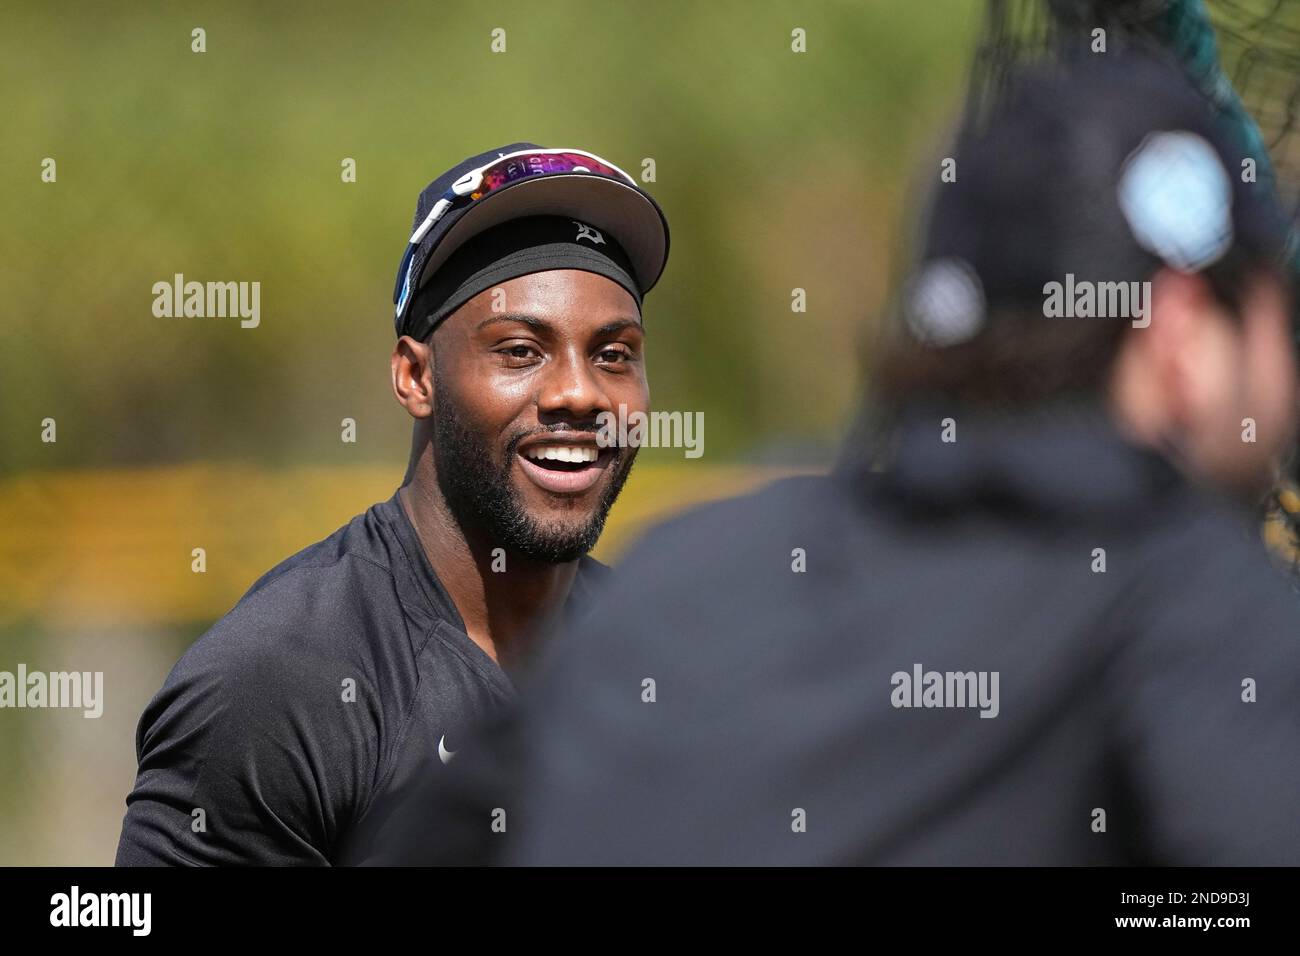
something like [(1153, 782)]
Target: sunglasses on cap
[(492, 177)]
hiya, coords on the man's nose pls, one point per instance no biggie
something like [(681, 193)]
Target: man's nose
[(570, 388)]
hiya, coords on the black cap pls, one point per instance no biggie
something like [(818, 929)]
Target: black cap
[(613, 205), (1107, 167)]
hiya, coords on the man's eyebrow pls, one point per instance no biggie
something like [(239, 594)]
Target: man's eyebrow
[(541, 325), (532, 321), (609, 328)]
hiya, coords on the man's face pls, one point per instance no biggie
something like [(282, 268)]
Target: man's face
[(521, 372)]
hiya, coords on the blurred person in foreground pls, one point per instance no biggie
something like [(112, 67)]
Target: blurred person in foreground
[(289, 729), (1031, 621)]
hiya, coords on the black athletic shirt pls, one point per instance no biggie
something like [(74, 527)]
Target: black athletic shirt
[(287, 731)]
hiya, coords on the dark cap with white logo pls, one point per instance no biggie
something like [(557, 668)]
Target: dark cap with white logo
[(1102, 169), (523, 209)]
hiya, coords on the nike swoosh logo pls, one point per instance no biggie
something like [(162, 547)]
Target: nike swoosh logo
[(444, 754)]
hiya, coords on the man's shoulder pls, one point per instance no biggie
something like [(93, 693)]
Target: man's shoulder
[(316, 607), (798, 509), (352, 550)]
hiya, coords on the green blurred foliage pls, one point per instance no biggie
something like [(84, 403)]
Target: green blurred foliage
[(777, 170)]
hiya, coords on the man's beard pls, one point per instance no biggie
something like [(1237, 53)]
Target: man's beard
[(481, 494)]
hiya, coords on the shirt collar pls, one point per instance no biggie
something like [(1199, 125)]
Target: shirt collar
[(590, 575)]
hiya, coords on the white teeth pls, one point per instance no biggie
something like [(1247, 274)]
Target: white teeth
[(572, 453)]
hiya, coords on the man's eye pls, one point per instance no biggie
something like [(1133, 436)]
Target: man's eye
[(520, 352), (613, 355)]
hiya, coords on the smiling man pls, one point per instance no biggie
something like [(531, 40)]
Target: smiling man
[(291, 730)]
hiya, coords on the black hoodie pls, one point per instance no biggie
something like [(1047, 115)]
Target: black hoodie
[(1034, 645)]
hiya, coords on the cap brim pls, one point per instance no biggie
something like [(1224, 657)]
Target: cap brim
[(634, 219)]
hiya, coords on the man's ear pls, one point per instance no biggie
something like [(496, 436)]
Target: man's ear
[(412, 365)]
